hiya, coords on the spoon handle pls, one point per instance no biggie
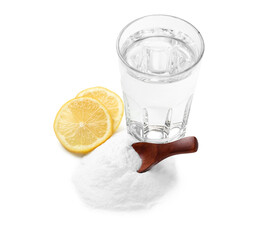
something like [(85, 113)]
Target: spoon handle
[(184, 145)]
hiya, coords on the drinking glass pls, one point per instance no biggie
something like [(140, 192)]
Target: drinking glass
[(159, 62)]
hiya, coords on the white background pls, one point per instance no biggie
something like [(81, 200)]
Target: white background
[(50, 50)]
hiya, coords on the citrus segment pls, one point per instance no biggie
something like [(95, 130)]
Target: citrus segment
[(82, 124)]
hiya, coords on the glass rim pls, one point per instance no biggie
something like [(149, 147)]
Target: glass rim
[(155, 75)]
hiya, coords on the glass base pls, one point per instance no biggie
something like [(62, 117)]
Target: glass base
[(156, 133)]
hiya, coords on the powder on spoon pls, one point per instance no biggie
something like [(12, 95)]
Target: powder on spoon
[(108, 178)]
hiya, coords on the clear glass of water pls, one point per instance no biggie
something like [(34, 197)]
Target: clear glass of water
[(159, 61)]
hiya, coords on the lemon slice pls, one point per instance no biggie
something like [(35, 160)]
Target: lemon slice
[(82, 124), (108, 99)]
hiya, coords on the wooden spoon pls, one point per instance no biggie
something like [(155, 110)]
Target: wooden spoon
[(151, 153)]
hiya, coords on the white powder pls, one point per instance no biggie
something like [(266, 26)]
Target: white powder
[(108, 178)]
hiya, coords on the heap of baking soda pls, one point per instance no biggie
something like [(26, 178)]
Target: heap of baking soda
[(107, 177)]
